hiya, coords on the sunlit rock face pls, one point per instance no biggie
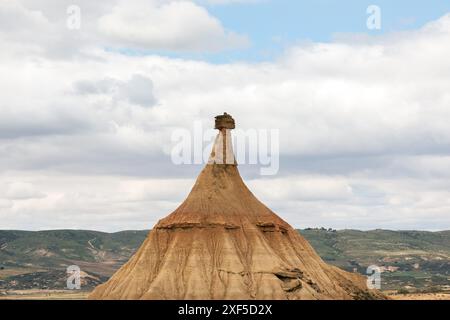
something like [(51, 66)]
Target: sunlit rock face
[(223, 243)]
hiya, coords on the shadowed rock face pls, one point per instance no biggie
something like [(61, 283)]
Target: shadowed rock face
[(223, 243)]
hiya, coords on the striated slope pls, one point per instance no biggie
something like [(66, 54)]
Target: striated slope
[(222, 243)]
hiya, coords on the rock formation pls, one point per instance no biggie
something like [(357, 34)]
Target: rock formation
[(223, 243)]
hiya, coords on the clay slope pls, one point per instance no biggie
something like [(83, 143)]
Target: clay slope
[(222, 243)]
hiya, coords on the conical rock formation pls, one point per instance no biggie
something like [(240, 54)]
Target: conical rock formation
[(223, 243)]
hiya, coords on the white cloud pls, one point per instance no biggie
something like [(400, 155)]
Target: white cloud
[(138, 90), (105, 202), (363, 125), (21, 191), (167, 26), (40, 27), (15, 17), (303, 188)]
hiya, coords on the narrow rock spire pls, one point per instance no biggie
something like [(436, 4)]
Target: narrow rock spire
[(222, 152), (222, 243)]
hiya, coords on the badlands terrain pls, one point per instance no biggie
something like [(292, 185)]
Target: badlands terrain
[(32, 264)]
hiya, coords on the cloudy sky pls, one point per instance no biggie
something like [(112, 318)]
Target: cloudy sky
[(87, 114)]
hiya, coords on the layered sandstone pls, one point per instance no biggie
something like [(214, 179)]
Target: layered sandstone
[(223, 243)]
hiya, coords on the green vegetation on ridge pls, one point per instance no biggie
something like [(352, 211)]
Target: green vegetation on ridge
[(410, 259)]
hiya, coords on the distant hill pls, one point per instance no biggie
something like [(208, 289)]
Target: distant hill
[(411, 259), (39, 254)]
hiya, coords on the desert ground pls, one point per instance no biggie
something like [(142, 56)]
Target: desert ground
[(421, 296), (82, 295), (416, 261), (43, 295)]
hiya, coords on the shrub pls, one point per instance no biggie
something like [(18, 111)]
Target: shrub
[(402, 291)]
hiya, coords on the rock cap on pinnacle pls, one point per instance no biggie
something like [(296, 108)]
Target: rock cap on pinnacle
[(224, 121), (222, 153)]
